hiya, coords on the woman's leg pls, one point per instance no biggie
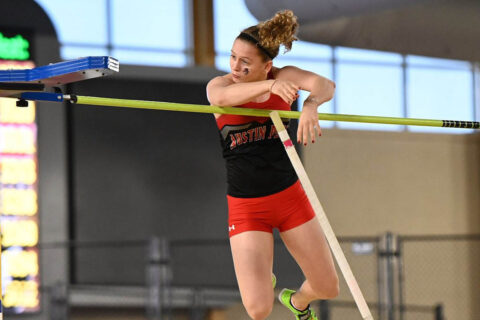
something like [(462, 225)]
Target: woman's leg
[(308, 246), (252, 253)]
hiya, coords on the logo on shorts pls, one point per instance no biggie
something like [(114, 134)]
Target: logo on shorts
[(230, 229)]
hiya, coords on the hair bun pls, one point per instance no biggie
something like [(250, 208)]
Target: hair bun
[(280, 29)]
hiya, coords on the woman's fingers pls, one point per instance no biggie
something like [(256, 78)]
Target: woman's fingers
[(284, 97), (293, 92), (312, 132), (305, 136), (287, 90), (302, 133), (319, 130), (306, 128)]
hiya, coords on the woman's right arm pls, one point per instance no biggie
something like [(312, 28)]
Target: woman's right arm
[(222, 91)]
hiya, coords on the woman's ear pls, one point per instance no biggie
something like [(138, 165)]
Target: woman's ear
[(268, 66)]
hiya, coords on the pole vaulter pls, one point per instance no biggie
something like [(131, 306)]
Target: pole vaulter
[(25, 85)]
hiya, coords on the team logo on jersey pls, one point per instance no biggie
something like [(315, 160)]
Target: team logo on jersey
[(249, 134)]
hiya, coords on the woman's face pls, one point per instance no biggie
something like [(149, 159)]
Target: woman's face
[(246, 63)]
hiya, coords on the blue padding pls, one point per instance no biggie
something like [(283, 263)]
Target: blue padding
[(59, 69), (42, 96)]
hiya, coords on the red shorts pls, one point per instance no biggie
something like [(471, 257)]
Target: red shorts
[(284, 210)]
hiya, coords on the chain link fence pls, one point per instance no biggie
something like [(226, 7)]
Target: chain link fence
[(441, 270), (376, 262)]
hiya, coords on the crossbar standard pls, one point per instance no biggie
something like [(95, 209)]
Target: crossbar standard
[(170, 106)]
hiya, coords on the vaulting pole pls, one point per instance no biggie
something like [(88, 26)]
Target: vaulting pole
[(322, 217)]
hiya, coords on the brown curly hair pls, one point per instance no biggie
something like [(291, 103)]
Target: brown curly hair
[(270, 34)]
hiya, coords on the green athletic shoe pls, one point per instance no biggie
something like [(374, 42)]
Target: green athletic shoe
[(274, 281), (285, 297)]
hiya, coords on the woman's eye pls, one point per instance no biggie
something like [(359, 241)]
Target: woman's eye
[(245, 62)]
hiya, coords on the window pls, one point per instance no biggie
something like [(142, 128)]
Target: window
[(369, 83), (230, 17), (78, 22), (440, 89), (143, 32), (149, 32)]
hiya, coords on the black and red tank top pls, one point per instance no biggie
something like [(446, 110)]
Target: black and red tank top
[(257, 164)]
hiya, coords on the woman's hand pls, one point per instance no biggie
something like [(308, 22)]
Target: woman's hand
[(308, 124), (287, 90)]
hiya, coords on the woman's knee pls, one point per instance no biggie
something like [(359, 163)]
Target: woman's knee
[(333, 288), (328, 288), (260, 309)]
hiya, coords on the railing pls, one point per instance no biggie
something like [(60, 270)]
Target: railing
[(387, 269), (158, 297), (336, 309)]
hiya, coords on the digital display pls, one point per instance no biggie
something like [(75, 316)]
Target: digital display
[(15, 46), (18, 198)]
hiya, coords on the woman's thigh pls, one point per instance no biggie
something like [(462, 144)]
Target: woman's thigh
[(308, 246), (252, 253)]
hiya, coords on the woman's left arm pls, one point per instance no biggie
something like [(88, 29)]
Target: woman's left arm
[(321, 90)]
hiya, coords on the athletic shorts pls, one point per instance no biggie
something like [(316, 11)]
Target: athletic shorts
[(284, 210)]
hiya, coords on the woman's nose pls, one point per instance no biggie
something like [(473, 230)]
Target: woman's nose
[(236, 65)]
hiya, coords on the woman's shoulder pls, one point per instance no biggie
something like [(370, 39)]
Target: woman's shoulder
[(285, 72)]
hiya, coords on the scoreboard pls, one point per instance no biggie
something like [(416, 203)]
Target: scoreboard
[(18, 190)]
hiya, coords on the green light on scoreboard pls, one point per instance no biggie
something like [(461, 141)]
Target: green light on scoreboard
[(14, 48)]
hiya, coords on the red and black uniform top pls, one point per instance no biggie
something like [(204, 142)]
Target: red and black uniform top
[(257, 164)]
